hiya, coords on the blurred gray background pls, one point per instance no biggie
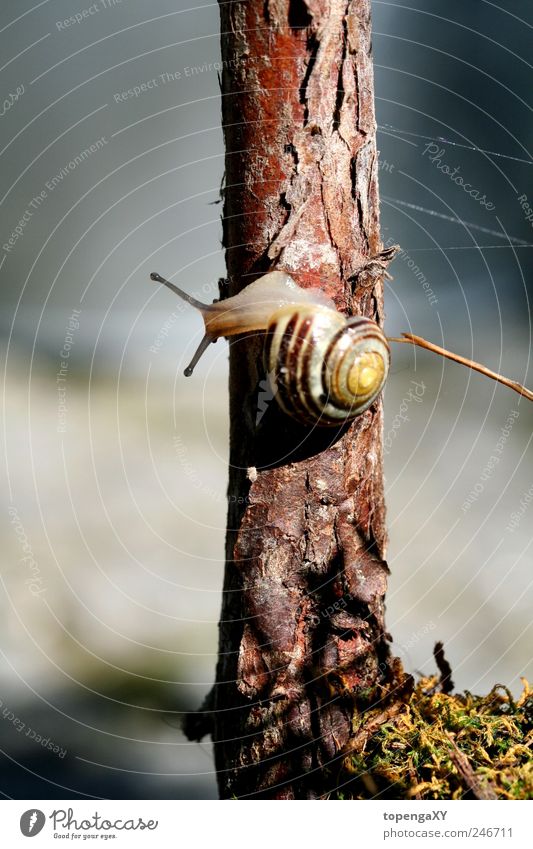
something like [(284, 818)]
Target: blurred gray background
[(116, 465)]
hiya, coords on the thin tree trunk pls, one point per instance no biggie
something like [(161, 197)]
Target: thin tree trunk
[(302, 634)]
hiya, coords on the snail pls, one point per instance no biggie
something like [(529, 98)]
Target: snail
[(324, 369)]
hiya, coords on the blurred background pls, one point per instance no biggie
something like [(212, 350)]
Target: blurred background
[(115, 466)]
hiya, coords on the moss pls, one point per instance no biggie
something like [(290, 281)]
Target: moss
[(428, 744)]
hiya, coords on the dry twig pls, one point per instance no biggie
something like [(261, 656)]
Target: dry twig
[(411, 339)]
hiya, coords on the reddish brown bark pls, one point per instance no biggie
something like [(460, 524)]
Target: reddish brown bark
[(302, 634)]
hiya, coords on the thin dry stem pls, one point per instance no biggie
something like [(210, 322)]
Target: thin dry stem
[(411, 339)]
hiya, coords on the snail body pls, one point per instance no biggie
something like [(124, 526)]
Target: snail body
[(324, 369)]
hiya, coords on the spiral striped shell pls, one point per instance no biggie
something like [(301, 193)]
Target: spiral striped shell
[(324, 369)]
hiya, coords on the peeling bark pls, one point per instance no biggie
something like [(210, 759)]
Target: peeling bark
[(302, 634)]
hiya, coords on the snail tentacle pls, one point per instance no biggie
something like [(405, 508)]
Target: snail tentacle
[(208, 338), (180, 292)]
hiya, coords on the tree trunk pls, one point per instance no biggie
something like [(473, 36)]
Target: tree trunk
[(302, 635)]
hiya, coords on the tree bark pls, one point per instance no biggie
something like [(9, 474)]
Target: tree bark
[(302, 634)]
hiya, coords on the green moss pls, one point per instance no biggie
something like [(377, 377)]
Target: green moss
[(432, 745)]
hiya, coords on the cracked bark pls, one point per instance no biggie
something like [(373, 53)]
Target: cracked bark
[(302, 634)]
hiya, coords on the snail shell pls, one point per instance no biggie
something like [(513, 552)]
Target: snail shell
[(324, 369)]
